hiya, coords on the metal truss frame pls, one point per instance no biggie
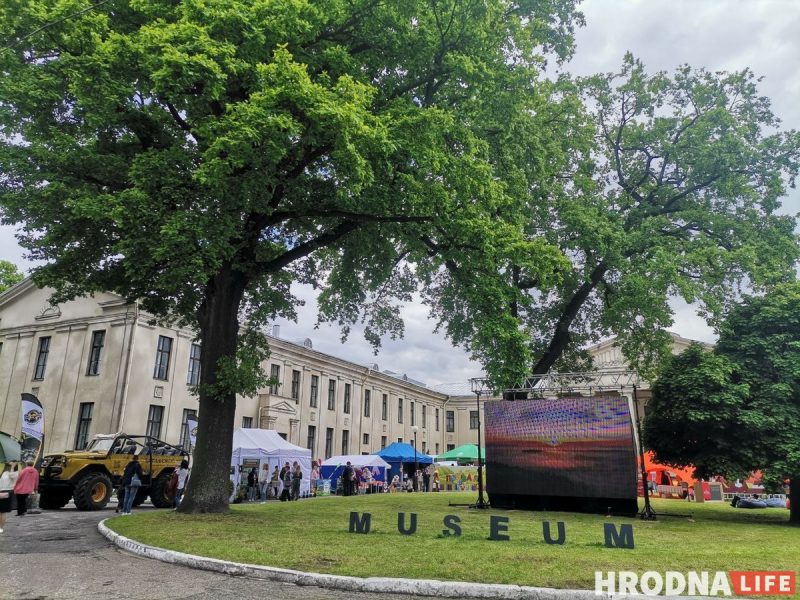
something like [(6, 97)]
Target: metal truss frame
[(607, 380)]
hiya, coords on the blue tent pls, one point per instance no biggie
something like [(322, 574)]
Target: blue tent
[(398, 454)]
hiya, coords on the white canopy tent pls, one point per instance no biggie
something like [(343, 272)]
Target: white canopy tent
[(267, 447)]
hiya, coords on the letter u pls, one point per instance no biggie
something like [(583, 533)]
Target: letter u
[(401, 523)]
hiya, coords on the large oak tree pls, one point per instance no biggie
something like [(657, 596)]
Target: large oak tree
[(680, 198), (200, 156)]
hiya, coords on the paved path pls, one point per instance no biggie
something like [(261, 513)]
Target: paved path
[(60, 555)]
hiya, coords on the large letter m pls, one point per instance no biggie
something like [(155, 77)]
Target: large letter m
[(360, 524)]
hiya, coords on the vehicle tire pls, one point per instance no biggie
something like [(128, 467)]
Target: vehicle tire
[(141, 496), (92, 491), (158, 491), (54, 499)]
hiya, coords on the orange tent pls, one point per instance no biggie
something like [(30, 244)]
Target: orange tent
[(684, 474)]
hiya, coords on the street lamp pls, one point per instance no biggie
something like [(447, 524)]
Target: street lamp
[(414, 428), (479, 387)]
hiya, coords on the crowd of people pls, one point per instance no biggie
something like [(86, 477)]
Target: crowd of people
[(283, 484), (16, 485)]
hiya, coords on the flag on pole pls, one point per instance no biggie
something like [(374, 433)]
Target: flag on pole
[(191, 426), (32, 428)]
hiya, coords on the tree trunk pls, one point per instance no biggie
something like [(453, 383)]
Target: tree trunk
[(561, 337), (208, 488), (794, 498)]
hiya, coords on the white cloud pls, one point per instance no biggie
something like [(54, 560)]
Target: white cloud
[(716, 34)]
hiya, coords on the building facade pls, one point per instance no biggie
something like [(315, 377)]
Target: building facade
[(100, 365)]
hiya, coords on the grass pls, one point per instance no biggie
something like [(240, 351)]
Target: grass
[(313, 536)]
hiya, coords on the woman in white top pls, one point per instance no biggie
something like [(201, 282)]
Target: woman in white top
[(7, 482), (183, 476)]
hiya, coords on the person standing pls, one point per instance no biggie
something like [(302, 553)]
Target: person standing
[(286, 480), (297, 478), (275, 482), (7, 482), (426, 479), (314, 478), (183, 476), (263, 482), (27, 484), (252, 484), (347, 478), (132, 480)]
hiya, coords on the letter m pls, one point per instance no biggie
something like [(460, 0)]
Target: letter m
[(360, 524), (618, 539)]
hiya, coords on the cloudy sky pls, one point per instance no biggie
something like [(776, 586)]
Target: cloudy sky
[(716, 34)]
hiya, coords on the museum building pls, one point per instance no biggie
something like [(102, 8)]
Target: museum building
[(99, 365)]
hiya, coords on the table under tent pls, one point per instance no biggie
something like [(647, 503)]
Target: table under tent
[(333, 468), (257, 447), (401, 458)]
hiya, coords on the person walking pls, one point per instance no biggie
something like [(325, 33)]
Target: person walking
[(183, 477), (263, 482), (275, 482), (8, 480), (27, 484), (132, 480), (297, 478), (286, 480)]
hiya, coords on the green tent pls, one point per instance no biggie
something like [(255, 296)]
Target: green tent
[(9, 448), (467, 452)]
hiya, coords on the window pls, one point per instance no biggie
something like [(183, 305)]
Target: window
[(473, 419), (450, 425), (84, 422), (367, 395), (328, 442), (365, 439), (399, 410), (437, 448), (283, 435), (423, 410), (247, 422), (93, 368), (451, 447), (424, 448), (296, 386), (185, 439), (345, 441), (331, 394), (383, 442), (347, 398), (413, 413), (437, 419), (163, 352), (154, 418), (400, 440), (311, 440), (193, 377), (385, 407), (314, 391), (41, 359), (275, 376)]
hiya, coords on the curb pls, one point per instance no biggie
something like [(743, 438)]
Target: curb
[(415, 587)]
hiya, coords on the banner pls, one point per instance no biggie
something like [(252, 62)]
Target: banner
[(32, 428), (191, 426)]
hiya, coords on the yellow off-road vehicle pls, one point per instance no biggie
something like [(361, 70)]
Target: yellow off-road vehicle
[(89, 476)]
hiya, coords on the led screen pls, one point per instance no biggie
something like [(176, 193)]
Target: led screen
[(579, 447)]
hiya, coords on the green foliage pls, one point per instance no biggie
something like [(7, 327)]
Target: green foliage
[(203, 156), (736, 409), (9, 275), (679, 199)]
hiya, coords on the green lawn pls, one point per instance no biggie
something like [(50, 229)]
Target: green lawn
[(313, 535)]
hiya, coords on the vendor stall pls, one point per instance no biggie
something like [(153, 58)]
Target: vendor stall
[(257, 447), (333, 468)]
